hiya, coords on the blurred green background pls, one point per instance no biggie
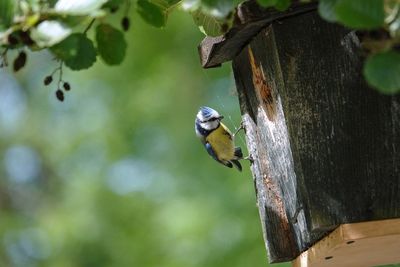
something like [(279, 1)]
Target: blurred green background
[(114, 175)]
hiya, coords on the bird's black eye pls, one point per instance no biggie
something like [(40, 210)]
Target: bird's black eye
[(210, 119)]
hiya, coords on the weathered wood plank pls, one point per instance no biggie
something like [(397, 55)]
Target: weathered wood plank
[(325, 145), (356, 244), (273, 165), (252, 19), (345, 136)]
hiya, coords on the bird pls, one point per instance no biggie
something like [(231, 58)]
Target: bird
[(217, 138)]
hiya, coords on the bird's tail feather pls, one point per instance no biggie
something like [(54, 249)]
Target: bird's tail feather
[(237, 164)]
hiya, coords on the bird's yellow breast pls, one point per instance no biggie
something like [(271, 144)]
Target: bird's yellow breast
[(222, 143)]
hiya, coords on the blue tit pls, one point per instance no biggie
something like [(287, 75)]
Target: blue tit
[(216, 138)]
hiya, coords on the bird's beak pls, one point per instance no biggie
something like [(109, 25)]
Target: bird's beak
[(220, 117)]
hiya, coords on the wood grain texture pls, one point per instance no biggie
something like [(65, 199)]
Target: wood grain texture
[(345, 136), (331, 153), (356, 244), (268, 144)]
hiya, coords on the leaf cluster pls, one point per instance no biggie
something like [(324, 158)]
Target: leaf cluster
[(61, 26)]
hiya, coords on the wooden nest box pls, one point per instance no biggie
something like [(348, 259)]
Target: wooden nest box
[(326, 147)]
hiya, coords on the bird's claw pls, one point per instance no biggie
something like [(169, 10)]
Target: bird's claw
[(241, 127), (249, 158)]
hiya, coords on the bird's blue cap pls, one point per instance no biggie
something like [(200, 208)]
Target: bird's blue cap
[(208, 112)]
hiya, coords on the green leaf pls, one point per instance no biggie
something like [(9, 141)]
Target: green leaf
[(267, 3), (112, 4), (173, 2), (326, 9), (282, 5), (111, 44), (360, 14), (382, 71), (165, 4), (151, 13), (6, 13), (208, 25), (51, 2), (77, 51), (31, 21)]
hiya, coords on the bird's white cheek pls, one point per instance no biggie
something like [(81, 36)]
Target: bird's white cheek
[(204, 126), (208, 125)]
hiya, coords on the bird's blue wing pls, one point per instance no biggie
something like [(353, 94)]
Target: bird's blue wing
[(210, 151)]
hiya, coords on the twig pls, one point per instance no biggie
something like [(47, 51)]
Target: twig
[(128, 6), (89, 26), (59, 68), (3, 58), (61, 73)]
